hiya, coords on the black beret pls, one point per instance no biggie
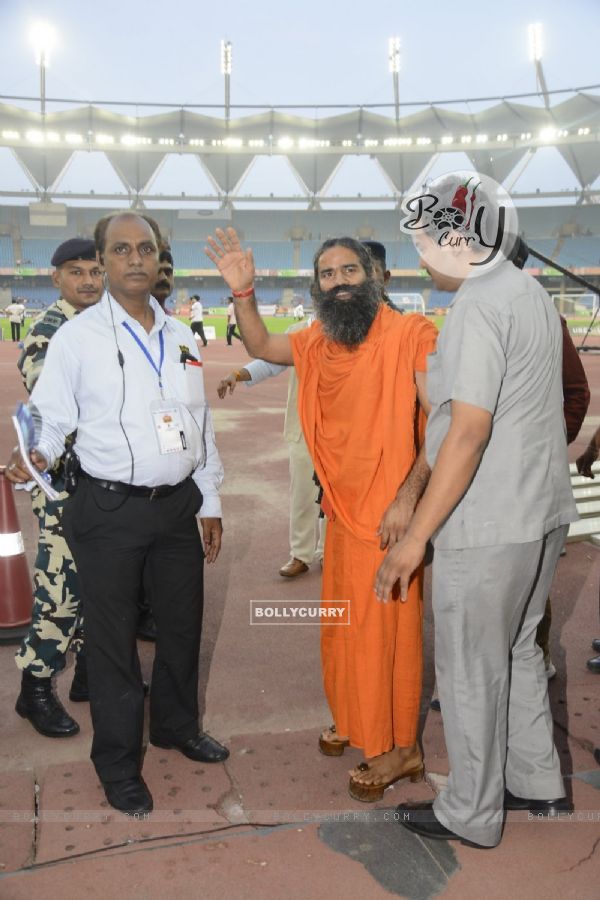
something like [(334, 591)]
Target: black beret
[(74, 248), (376, 250)]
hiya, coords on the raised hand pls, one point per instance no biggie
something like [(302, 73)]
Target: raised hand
[(235, 265)]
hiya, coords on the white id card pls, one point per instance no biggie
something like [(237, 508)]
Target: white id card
[(168, 425)]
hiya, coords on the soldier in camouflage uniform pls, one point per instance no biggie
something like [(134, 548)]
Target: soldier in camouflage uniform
[(56, 599)]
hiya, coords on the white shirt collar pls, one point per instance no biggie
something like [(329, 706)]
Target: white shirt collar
[(120, 315)]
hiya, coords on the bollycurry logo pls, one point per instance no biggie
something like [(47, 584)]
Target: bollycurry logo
[(462, 224), (308, 612)]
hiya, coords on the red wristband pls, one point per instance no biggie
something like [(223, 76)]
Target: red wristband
[(241, 294)]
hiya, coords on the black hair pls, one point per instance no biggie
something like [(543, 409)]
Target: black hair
[(377, 251)]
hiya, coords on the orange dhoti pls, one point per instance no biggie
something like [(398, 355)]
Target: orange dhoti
[(372, 667), (360, 418)]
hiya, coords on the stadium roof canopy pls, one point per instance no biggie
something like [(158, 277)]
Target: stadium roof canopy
[(499, 140)]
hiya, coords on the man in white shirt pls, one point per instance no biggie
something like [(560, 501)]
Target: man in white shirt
[(16, 317), (231, 323), (197, 321), (124, 375)]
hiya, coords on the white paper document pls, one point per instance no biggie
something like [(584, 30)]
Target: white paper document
[(24, 426)]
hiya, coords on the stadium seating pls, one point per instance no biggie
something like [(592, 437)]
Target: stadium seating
[(401, 255), (287, 240), (37, 253), (273, 254), (7, 259), (580, 251)]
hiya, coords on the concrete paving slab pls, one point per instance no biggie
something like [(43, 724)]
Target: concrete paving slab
[(75, 817), (17, 819), (290, 863)]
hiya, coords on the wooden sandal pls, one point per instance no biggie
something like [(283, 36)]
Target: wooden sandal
[(333, 747), (370, 793)]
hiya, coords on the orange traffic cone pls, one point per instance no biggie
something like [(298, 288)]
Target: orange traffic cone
[(15, 581)]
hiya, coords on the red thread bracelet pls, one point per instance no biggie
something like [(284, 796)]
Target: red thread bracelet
[(241, 294)]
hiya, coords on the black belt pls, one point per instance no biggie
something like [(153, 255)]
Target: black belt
[(135, 490)]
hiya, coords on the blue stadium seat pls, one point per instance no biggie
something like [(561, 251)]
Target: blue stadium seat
[(7, 259), (38, 253)]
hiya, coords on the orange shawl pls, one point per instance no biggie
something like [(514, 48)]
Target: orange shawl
[(359, 413)]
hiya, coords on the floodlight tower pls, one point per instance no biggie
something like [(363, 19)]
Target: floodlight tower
[(535, 32), (43, 38), (226, 52), (394, 63)]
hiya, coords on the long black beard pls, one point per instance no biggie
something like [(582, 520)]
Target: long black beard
[(348, 322)]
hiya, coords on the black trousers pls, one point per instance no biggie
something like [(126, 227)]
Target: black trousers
[(119, 547), (198, 328), (231, 332), (15, 331)]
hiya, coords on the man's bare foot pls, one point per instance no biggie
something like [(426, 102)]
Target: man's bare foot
[(388, 767)]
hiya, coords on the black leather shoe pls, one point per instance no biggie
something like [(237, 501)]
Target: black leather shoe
[(550, 808), (129, 796), (38, 703), (596, 645), (593, 665), (201, 748), (421, 819), (435, 705)]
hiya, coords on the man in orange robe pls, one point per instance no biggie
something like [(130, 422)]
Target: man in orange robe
[(359, 369)]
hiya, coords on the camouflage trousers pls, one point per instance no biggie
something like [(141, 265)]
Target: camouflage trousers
[(56, 602)]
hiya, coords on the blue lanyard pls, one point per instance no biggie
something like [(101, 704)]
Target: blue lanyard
[(144, 350)]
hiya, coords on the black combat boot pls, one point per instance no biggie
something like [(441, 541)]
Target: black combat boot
[(79, 687), (38, 703)]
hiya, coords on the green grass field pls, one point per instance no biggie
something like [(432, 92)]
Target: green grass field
[(278, 324)]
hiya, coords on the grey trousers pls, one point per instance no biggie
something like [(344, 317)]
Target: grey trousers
[(492, 685)]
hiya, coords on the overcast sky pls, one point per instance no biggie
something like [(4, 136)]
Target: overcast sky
[(307, 52)]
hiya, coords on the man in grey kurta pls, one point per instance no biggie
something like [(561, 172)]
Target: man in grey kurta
[(497, 507)]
